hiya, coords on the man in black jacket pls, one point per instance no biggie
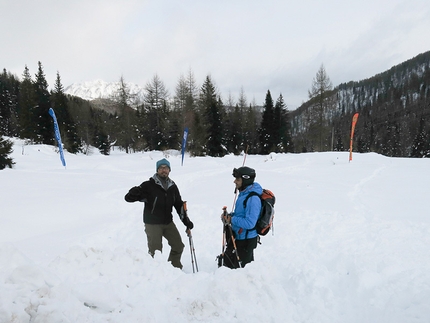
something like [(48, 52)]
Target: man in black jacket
[(160, 194)]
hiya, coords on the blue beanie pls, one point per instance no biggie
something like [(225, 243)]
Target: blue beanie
[(162, 162)]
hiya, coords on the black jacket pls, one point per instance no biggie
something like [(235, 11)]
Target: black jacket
[(159, 201)]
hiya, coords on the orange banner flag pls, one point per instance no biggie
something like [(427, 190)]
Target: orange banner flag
[(354, 121)]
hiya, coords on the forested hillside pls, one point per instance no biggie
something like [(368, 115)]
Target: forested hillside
[(393, 107)]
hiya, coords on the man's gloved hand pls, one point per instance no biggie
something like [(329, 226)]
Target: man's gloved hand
[(134, 191), (133, 194), (187, 222)]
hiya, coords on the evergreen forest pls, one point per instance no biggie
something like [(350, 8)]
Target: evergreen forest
[(393, 107)]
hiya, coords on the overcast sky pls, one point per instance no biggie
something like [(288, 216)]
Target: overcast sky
[(275, 45)]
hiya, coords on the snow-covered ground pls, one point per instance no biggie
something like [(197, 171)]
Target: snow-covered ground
[(351, 241)]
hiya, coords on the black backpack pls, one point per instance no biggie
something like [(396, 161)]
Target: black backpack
[(265, 219)]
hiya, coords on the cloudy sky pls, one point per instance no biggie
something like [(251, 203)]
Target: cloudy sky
[(275, 45)]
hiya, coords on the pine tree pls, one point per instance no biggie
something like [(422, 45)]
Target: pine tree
[(282, 123), (124, 99), (185, 106), (27, 102), (420, 146), (5, 151), (155, 105), (267, 128), (71, 140), (235, 138), (44, 130), (213, 118), (250, 133), (242, 105), (9, 86), (5, 109), (230, 125)]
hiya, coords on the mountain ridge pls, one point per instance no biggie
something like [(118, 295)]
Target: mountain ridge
[(99, 89)]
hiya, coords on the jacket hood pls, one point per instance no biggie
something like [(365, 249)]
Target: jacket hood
[(157, 181), (254, 187)]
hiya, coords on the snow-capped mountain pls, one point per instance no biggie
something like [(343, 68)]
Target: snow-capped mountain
[(100, 89)]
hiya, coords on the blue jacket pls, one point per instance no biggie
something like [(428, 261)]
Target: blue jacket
[(244, 220)]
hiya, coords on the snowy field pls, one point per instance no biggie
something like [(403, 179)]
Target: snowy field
[(351, 241)]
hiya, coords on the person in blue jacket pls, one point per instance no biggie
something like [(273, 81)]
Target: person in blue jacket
[(244, 219)]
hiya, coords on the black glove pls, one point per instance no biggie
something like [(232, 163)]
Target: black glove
[(133, 194), (134, 191), (187, 222)]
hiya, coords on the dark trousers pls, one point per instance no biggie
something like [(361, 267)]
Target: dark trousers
[(155, 234), (245, 250)]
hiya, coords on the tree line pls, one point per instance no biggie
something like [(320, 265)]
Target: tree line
[(155, 121), (394, 109)]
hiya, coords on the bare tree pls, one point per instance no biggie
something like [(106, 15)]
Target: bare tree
[(320, 96), (155, 100)]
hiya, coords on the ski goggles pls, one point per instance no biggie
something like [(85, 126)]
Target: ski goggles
[(238, 174)]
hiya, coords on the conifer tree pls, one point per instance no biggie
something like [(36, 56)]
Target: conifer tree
[(230, 125), (235, 137), (186, 94), (185, 106), (100, 137), (155, 105), (213, 118), (9, 86), (27, 102), (267, 128), (124, 99), (67, 126), (242, 105), (420, 146), (282, 122), (250, 133), (5, 109), (5, 151), (44, 131)]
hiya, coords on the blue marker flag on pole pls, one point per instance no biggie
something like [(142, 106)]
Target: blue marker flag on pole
[(57, 136), (184, 144)]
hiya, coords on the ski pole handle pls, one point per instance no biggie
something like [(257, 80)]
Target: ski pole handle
[(225, 216)]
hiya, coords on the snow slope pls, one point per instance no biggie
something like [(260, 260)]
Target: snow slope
[(99, 89), (350, 244)]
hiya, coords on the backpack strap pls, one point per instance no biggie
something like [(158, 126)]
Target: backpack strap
[(244, 206), (248, 196)]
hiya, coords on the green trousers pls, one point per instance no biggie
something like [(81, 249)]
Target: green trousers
[(155, 234)]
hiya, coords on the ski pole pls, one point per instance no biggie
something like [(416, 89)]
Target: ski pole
[(192, 252), (223, 238), (235, 190), (233, 240), (234, 246)]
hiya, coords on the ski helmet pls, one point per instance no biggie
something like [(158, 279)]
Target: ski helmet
[(246, 173)]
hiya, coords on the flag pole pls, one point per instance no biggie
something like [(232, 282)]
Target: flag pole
[(354, 121)]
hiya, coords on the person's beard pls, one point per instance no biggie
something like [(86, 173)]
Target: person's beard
[(163, 175)]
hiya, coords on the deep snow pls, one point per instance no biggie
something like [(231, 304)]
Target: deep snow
[(351, 241)]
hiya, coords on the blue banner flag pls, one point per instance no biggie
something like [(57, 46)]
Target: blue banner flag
[(184, 144), (57, 136)]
